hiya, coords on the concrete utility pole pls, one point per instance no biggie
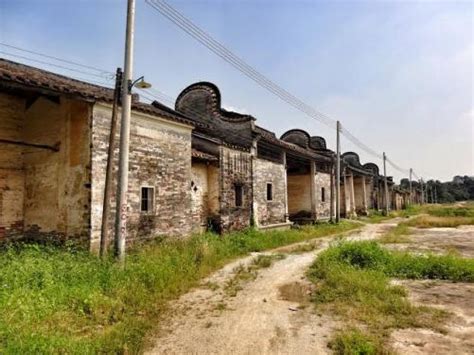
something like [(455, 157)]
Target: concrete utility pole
[(122, 203), (338, 172), (411, 191), (422, 193), (385, 183), (109, 170)]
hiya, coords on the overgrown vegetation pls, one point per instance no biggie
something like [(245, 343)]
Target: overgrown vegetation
[(65, 301), (398, 234), (439, 222), (353, 281), (354, 342)]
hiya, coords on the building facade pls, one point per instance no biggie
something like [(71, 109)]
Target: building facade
[(193, 168)]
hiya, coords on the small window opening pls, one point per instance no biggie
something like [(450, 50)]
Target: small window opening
[(323, 194), (269, 192), (239, 195), (147, 199)]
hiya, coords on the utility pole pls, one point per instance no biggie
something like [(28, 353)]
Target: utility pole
[(411, 191), (435, 194), (385, 183), (422, 193), (109, 170), (122, 203), (338, 172)]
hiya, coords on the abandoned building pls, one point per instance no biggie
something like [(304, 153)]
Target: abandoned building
[(193, 167), (244, 175), (54, 137)]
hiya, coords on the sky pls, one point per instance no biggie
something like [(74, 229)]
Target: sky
[(398, 74)]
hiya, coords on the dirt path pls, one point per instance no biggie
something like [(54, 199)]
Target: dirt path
[(267, 315)]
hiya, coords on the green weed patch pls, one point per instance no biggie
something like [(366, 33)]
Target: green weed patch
[(64, 301), (353, 281)]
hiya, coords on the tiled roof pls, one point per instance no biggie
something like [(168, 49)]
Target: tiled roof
[(24, 76), (201, 155), (272, 138)]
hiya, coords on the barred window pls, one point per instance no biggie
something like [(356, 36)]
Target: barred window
[(269, 192), (147, 199), (239, 195)]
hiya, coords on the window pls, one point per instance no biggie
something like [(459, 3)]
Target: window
[(239, 195), (269, 192), (323, 194), (147, 199)]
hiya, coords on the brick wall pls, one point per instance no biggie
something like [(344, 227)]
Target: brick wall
[(269, 212), (160, 157), (323, 208), (235, 169)]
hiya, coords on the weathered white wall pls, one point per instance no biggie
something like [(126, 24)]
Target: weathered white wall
[(269, 212), (160, 157), (323, 209)]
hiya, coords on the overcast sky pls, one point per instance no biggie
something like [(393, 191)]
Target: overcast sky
[(399, 75)]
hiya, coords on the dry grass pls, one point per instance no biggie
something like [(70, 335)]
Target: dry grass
[(428, 221), (244, 274), (396, 235)]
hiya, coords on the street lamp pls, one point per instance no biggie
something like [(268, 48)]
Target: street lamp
[(140, 83)]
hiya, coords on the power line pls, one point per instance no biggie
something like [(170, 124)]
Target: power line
[(218, 49), (204, 38), (55, 58), (197, 33), (56, 65), (396, 167)]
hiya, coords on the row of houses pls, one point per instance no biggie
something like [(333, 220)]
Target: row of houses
[(193, 167)]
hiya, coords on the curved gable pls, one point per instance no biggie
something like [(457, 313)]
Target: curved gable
[(351, 158), (372, 167), (318, 143), (298, 137), (202, 102)]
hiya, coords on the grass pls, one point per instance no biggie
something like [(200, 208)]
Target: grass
[(353, 281), (429, 221), (466, 210), (398, 234), (354, 342), (376, 216), (67, 301), (246, 273)]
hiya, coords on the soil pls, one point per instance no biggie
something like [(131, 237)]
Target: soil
[(457, 299), (268, 311), (269, 314), (441, 240)]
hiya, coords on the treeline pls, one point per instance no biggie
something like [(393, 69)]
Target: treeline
[(461, 188)]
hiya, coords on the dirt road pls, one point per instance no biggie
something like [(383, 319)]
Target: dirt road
[(263, 315)]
